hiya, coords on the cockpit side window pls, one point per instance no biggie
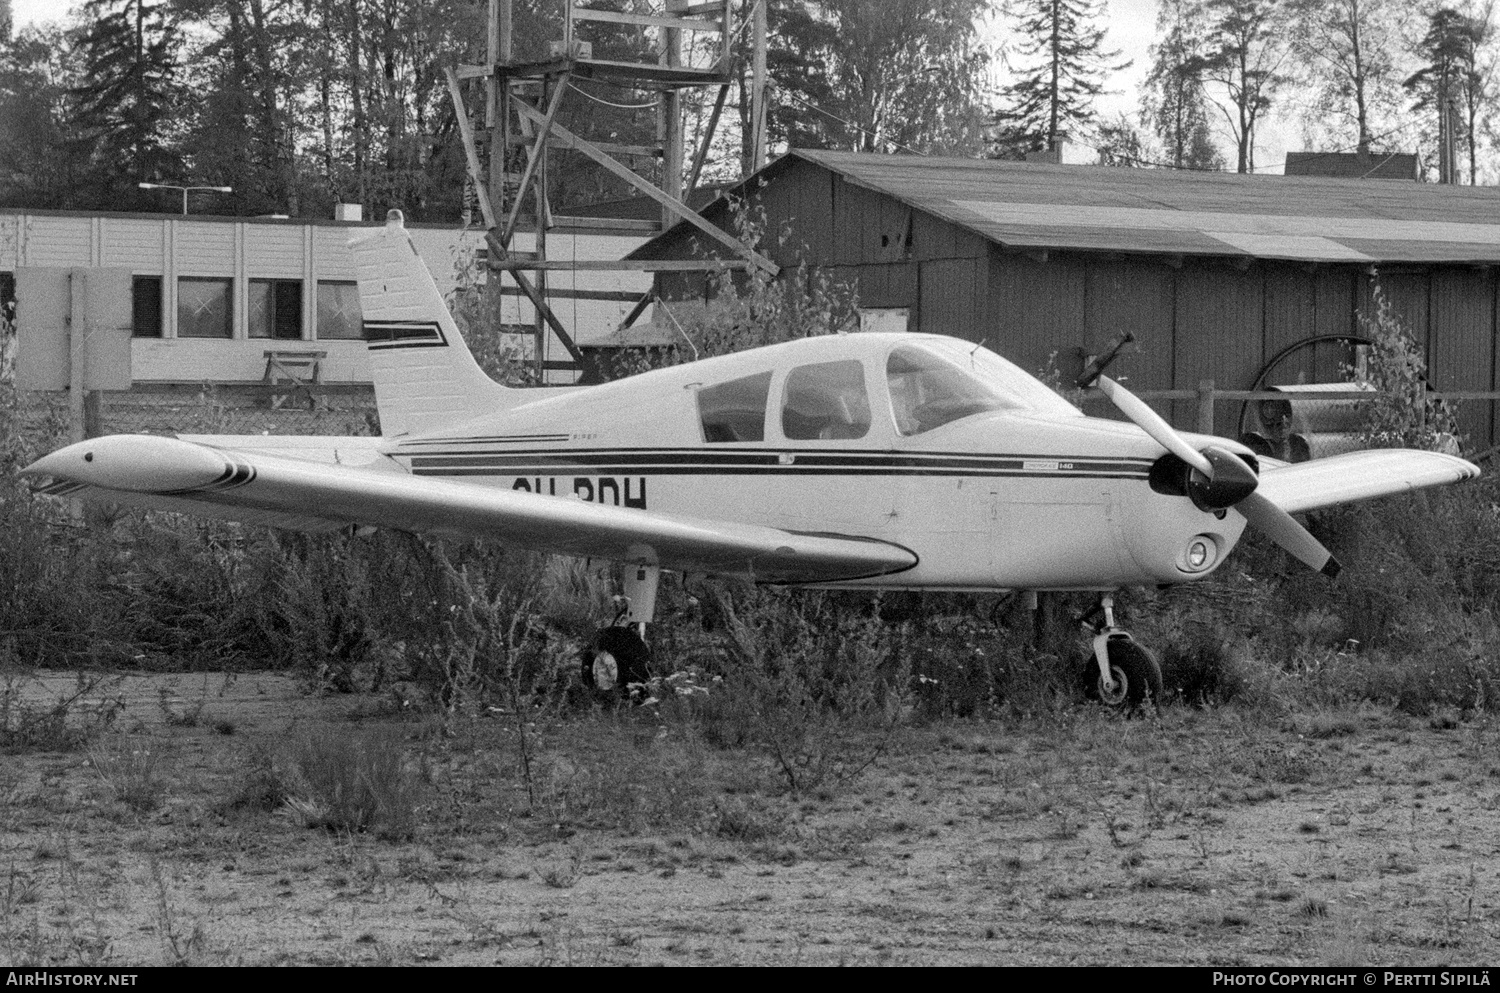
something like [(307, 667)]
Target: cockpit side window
[(736, 410), (927, 391), (826, 400)]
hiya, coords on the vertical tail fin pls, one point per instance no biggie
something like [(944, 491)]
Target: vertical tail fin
[(424, 374)]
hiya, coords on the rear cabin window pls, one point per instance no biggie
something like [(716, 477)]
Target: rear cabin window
[(826, 401), (736, 410)]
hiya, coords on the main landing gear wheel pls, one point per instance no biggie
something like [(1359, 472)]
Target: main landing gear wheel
[(1136, 675), (617, 658)]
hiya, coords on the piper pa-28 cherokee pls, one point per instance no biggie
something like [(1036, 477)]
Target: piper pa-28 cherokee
[(868, 461)]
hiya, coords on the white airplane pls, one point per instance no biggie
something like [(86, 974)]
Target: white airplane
[(863, 461)]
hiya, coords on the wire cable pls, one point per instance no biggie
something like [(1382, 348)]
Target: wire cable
[(851, 124), (610, 103)]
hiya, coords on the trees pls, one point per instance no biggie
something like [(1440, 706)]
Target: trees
[(1244, 65), (1347, 49), (1119, 143), (1053, 93), (35, 167), (1173, 103), (125, 106), (1454, 82), (902, 73)]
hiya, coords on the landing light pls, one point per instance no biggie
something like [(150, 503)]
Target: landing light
[(1200, 553)]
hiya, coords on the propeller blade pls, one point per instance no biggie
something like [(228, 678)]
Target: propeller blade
[(1283, 529), (1152, 423)]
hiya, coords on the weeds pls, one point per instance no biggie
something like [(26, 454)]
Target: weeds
[(131, 772), (341, 780), (819, 689), (69, 721), (181, 945)]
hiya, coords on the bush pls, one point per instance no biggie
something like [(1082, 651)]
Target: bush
[(1401, 416), (343, 780), (746, 309), (816, 682), (31, 720), (130, 772)]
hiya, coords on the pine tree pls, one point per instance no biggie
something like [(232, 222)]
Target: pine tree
[(1066, 64), (1452, 83), (126, 107)]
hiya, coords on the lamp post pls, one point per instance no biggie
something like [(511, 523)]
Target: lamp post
[(185, 190)]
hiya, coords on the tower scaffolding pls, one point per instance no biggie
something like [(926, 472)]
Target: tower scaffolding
[(523, 101)]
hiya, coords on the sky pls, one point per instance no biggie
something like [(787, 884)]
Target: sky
[(1131, 25)]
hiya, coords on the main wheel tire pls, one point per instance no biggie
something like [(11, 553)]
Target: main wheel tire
[(617, 658), (1136, 674)]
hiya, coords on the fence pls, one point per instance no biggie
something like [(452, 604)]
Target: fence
[(351, 411), (1206, 396), (211, 410)]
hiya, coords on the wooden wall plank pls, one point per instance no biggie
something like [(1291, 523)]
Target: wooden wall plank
[(1220, 321), (887, 285), (1134, 295), (948, 301), (1033, 308), (1462, 350)]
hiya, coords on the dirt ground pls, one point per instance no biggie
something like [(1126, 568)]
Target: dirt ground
[(1331, 838)]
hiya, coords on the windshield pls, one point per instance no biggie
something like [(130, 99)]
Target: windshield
[(938, 382)]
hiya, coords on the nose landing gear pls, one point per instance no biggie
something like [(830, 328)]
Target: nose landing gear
[(1119, 673)]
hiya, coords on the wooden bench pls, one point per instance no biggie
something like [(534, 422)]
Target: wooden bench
[(296, 368)]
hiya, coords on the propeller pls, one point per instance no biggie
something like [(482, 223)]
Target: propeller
[(1214, 478)]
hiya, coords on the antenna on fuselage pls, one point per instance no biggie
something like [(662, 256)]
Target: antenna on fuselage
[(1095, 368)]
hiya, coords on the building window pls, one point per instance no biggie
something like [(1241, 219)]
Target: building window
[(276, 308), (339, 315), (145, 306), (203, 308)]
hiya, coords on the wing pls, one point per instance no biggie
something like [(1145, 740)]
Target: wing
[(1357, 476), (264, 488)]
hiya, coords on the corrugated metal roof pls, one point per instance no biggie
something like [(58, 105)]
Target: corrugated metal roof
[(1156, 211)]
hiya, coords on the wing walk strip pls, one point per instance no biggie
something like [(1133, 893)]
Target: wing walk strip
[(821, 462)]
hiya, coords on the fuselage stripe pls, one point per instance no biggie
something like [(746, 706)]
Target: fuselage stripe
[(772, 470)]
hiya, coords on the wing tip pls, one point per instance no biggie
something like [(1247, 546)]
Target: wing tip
[(1331, 568)]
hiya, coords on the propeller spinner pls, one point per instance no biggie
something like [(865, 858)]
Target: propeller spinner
[(1213, 478)]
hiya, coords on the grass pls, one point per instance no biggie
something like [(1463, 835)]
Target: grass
[(351, 781), (637, 809), (131, 770), (34, 719)]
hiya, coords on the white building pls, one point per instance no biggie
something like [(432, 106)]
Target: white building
[(212, 296)]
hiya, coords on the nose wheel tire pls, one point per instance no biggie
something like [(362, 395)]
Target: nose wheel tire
[(617, 658), (1136, 674)]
